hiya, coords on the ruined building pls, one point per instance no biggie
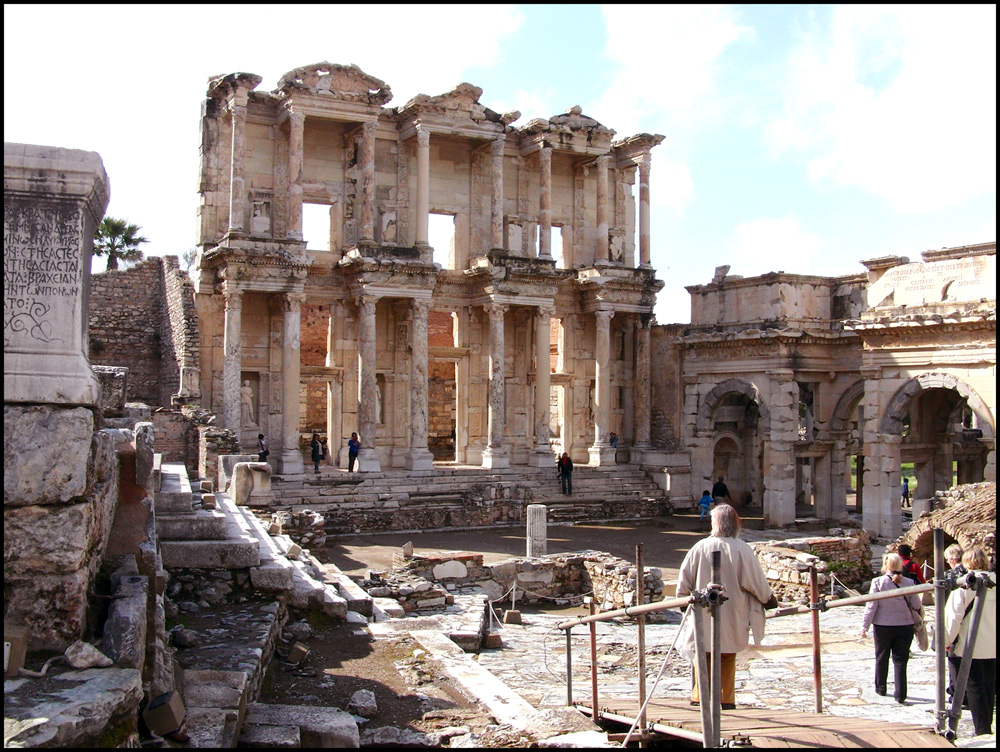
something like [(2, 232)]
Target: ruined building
[(337, 340)]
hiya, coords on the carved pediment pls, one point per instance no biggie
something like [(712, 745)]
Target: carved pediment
[(462, 100), (347, 82), (574, 120)]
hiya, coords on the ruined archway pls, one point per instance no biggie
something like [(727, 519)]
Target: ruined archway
[(846, 429), (947, 431)]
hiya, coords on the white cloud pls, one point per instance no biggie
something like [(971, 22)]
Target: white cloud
[(899, 101), (771, 245)]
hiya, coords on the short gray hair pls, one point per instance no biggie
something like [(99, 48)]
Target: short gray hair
[(725, 522), (953, 553)]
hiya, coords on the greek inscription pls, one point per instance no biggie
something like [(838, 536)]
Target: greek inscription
[(41, 265)]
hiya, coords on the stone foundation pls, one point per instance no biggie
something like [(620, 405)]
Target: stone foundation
[(786, 563)]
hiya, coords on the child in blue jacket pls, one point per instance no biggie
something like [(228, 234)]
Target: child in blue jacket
[(705, 502)]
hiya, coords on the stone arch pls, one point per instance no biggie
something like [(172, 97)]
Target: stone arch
[(724, 389), (899, 405), (846, 405)]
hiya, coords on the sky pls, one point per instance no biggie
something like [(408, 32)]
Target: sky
[(802, 139)]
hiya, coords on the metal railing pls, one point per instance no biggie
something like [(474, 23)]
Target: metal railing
[(712, 597)]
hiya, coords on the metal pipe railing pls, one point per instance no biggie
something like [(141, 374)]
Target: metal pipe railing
[(712, 598)]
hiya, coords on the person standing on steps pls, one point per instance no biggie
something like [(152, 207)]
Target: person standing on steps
[(564, 467), (317, 452), (262, 450), (353, 447), (720, 493)]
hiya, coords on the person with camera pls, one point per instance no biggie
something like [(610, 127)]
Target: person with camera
[(892, 620), (981, 690)]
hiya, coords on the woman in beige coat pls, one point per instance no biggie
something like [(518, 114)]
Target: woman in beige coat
[(746, 590)]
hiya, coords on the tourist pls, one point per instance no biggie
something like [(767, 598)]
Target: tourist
[(353, 447), (317, 452), (910, 568), (981, 690), (906, 492), (953, 555), (262, 450), (746, 587), (705, 502), (564, 467), (720, 492), (893, 620), (613, 440)]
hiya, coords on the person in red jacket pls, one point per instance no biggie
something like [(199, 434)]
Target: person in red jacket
[(910, 567)]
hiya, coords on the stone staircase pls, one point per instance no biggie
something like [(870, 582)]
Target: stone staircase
[(463, 496)]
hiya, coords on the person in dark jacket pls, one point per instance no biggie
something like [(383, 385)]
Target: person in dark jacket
[(720, 492), (564, 466), (317, 452)]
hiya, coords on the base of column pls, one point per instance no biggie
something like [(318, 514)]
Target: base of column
[(602, 457), (290, 462), (542, 457), (419, 459), (637, 453), (495, 459), (368, 461)]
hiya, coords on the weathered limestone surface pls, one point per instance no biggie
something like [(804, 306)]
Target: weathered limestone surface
[(92, 708), (46, 454)]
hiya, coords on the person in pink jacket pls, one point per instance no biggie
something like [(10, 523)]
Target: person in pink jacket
[(746, 590), (893, 620)]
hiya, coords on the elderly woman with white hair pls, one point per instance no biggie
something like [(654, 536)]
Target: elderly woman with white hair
[(893, 620), (746, 589)]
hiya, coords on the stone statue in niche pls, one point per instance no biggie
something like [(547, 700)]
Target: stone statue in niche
[(388, 227), (260, 222), (378, 402), (617, 248), (247, 413)]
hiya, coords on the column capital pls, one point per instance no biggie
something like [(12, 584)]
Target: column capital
[(241, 96), (495, 310), (234, 299), (870, 373), (366, 299), (296, 119), (604, 316), (545, 311), (603, 161), (291, 301), (420, 306), (423, 136), (369, 127), (497, 145)]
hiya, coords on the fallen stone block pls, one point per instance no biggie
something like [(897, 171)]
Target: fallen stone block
[(320, 727), (270, 737)]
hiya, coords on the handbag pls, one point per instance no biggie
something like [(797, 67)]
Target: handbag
[(919, 626)]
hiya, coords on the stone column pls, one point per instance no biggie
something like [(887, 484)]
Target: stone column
[(367, 385), (542, 455), (419, 457), (290, 461), (601, 252), (296, 129), (231, 361), (423, 184), (601, 453), (495, 455), (537, 537), (779, 460), (496, 192), (237, 188), (643, 327), (545, 203), (644, 211), (366, 159)]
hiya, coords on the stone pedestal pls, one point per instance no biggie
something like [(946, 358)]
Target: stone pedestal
[(252, 484), (53, 201), (537, 536)]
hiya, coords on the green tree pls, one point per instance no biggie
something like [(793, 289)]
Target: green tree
[(119, 241)]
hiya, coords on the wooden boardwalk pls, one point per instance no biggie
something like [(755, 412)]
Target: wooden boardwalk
[(767, 727)]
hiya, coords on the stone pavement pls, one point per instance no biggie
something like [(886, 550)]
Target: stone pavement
[(776, 674)]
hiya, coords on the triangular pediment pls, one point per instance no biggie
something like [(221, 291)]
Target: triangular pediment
[(462, 100)]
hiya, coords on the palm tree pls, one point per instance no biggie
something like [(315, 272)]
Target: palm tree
[(119, 241)]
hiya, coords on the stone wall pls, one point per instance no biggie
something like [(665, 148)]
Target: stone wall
[(213, 442), (59, 504), (143, 318), (427, 581), (176, 438), (968, 516), (126, 309), (846, 554)]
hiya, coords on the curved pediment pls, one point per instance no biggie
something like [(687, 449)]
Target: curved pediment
[(347, 82), (574, 120)]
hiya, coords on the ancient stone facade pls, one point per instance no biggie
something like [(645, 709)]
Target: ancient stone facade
[(781, 380), (325, 137)]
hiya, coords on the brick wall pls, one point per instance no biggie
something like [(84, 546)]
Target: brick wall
[(125, 314), (179, 330), (176, 438)]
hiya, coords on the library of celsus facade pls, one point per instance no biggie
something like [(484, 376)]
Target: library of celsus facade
[(531, 335)]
